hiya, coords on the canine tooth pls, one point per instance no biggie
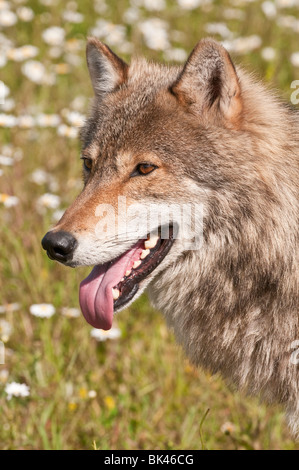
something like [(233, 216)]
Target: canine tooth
[(151, 243), (127, 273), (136, 264), (144, 254), (115, 293)]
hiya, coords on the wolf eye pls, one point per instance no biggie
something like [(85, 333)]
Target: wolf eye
[(144, 169), (87, 163)]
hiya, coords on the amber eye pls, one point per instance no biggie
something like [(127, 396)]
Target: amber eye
[(144, 169), (87, 163)]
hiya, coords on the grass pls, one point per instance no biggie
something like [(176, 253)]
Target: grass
[(147, 394)]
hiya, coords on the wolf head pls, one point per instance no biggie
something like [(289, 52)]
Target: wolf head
[(146, 155), (207, 147)]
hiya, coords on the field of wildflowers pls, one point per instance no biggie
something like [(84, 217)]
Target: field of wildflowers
[(62, 384)]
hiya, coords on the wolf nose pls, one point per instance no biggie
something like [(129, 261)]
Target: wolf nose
[(59, 245)]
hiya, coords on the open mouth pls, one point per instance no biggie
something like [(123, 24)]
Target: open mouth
[(112, 285)]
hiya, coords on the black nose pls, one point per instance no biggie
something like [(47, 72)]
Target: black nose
[(59, 245)]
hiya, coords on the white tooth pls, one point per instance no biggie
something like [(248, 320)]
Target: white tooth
[(136, 264), (151, 243), (144, 254), (115, 293), (122, 279), (127, 273)]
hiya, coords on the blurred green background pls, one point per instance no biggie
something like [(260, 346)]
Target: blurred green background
[(62, 386)]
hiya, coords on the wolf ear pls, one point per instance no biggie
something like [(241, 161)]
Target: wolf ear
[(107, 71), (209, 85)]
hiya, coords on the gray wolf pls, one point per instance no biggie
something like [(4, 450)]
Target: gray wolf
[(206, 132)]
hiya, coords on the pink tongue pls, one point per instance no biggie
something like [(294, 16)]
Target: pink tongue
[(95, 296)]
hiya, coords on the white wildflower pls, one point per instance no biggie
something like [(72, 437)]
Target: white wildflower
[(56, 216), (9, 201), (25, 13), (131, 15), (155, 33), (113, 34), (6, 161), (26, 121), (39, 176), (67, 131), (189, 4), (8, 120), (5, 330), (218, 28), (15, 389), (268, 53), (3, 59), (74, 118), (288, 21), (287, 3), (55, 52), (48, 120), (7, 18), (35, 71), (92, 394), (79, 103), (54, 36), (295, 59), (4, 92), (269, 9), (100, 6), (8, 105), (3, 376), (70, 312), (154, 5), (22, 53), (48, 201), (73, 16), (9, 307), (102, 335), (42, 310), (243, 45)]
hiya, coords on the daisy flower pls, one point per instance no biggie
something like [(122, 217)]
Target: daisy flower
[(9, 308), (189, 4), (102, 335), (74, 118), (7, 18), (8, 120), (15, 389), (67, 131), (6, 161), (42, 310), (9, 201), (4, 92), (152, 5), (34, 70), (48, 201), (295, 59), (53, 36), (3, 376), (155, 33), (5, 330), (25, 14), (70, 312)]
